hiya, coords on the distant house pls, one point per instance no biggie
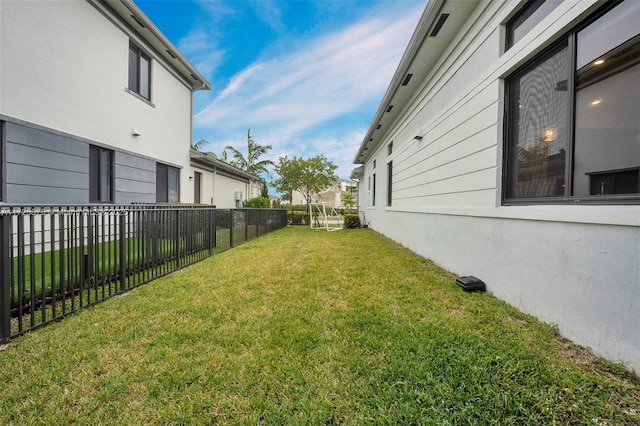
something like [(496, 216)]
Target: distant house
[(332, 195), (95, 105), (507, 147)]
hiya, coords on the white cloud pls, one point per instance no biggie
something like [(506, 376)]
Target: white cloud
[(289, 98), (201, 49)]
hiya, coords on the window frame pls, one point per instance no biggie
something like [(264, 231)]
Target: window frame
[(389, 183), (522, 16), (568, 197), (373, 192), (197, 187), (136, 80), (98, 174), (163, 179)]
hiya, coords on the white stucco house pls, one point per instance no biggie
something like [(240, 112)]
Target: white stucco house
[(95, 105), (221, 184), (507, 146)]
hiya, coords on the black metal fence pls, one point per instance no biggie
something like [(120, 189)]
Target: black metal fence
[(55, 260)]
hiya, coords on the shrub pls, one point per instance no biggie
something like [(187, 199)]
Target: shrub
[(298, 218), (352, 221), (257, 203)]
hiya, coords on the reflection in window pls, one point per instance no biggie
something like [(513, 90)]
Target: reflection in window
[(539, 101), (582, 124), (607, 144), (167, 184), (139, 72), (528, 17), (100, 174)]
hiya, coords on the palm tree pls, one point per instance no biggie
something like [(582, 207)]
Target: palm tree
[(254, 152), (198, 146)]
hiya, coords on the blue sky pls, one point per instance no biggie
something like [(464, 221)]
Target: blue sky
[(305, 76)]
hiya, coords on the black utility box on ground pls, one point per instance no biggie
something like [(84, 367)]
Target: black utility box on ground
[(470, 283)]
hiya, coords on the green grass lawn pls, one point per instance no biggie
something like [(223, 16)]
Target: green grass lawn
[(309, 327)]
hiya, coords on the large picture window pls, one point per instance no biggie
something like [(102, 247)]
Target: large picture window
[(100, 175), (167, 184), (139, 72), (572, 122)]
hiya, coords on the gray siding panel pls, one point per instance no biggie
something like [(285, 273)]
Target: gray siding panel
[(51, 168), (41, 139), (38, 157), (43, 167), (128, 198), (37, 176), (135, 161), (130, 173), (135, 179), (21, 194)]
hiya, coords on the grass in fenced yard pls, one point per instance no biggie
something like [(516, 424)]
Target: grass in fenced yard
[(308, 327)]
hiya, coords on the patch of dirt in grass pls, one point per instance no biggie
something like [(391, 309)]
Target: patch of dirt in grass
[(590, 362)]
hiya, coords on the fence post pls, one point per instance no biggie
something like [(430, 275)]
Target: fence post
[(122, 243), (212, 229), (232, 218), (5, 279)]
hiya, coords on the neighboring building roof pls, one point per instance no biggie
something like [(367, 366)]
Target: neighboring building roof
[(131, 14), (357, 173), (438, 26), (208, 160)]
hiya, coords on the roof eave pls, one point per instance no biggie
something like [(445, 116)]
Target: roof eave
[(173, 55), (418, 44)]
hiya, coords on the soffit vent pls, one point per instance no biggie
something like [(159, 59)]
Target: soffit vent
[(138, 21), (439, 24), (406, 79), (390, 108)]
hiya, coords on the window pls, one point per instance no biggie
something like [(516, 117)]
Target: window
[(197, 185), (389, 182), (373, 194), (167, 184), (100, 175), (528, 17), (572, 115), (139, 72)]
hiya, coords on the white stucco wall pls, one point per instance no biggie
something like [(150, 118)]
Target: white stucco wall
[(74, 79), (584, 278), (577, 266)]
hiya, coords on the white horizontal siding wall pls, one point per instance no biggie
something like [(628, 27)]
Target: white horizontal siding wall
[(571, 265)]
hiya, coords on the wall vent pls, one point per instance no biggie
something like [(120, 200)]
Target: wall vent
[(439, 24), (138, 21)]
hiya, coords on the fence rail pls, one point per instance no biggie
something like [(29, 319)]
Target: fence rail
[(55, 260)]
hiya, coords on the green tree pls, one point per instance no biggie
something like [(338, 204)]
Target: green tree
[(199, 146), (251, 162), (309, 177), (264, 191), (348, 200)]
